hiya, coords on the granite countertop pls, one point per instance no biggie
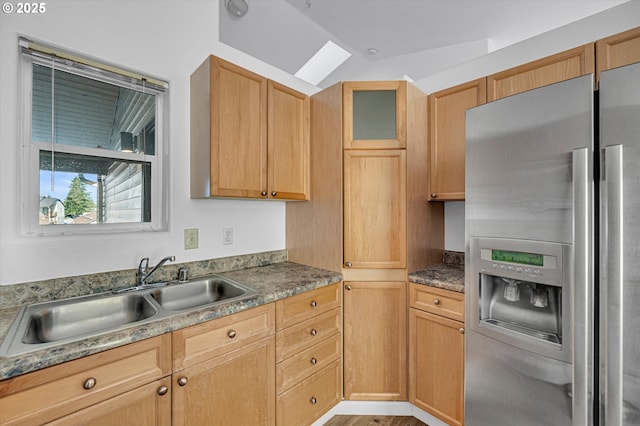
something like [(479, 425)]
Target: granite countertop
[(272, 282), (448, 275)]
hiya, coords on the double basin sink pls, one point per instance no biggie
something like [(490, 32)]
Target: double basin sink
[(42, 325)]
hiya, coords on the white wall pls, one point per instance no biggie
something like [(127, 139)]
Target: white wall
[(609, 22), (168, 39)]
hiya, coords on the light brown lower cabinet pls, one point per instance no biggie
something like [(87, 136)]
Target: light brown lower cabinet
[(308, 355), (436, 353), (93, 387), (234, 389)]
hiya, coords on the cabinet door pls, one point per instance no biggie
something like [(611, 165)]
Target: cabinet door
[(148, 405), (436, 366), (447, 137), (288, 143), (562, 66), (618, 50), (235, 389), (238, 131), (375, 341), (375, 114), (375, 233)]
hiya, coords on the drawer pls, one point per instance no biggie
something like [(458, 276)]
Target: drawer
[(437, 301), (56, 391), (301, 365), (303, 306), (204, 341), (307, 333), (306, 402)]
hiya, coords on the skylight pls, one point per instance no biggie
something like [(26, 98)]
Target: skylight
[(324, 62)]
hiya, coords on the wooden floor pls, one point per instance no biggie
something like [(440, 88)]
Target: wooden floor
[(374, 421)]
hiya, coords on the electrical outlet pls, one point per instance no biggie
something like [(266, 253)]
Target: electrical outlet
[(191, 238), (227, 236)]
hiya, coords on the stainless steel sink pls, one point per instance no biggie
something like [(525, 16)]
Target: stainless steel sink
[(205, 291), (54, 321), (47, 324)]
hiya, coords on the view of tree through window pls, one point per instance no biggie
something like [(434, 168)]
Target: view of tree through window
[(97, 144)]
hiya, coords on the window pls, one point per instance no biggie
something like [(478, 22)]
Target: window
[(93, 146)]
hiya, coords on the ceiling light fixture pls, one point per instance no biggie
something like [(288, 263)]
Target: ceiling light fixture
[(237, 8)]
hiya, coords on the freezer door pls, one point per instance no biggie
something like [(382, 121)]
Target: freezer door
[(620, 246), (519, 154)]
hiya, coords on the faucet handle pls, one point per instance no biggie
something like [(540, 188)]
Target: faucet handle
[(144, 261)]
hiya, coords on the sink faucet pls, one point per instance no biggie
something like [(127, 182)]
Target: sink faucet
[(143, 269)]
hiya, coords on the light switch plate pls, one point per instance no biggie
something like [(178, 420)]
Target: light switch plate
[(191, 238)]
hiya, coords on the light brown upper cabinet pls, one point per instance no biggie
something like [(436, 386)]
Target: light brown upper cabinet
[(618, 50), (375, 115), (552, 69), (249, 135), (447, 111)]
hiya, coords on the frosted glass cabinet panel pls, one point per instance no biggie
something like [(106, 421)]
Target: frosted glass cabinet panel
[(374, 115)]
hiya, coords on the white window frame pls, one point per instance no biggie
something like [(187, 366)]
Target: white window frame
[(30, 161)]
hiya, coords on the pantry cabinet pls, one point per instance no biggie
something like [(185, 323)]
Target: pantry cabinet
[(618, 50), (249, 135), (447, 137), (308, 355), (369, 218), (552, 69), (105, 380), (436, 352)]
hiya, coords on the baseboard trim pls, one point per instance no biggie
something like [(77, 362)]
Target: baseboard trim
[(379, 408)]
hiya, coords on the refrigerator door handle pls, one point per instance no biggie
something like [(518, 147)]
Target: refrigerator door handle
[(613, 318), (581, 289)]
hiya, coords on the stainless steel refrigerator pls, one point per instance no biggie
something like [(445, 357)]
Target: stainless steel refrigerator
[(552, 224)]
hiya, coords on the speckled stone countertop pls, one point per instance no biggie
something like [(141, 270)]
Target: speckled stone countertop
[(272, 281), (448, 275)]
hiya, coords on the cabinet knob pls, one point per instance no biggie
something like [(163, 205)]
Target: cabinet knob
[(436, 301), (274, 193), (314, 332), (162, 390), (313, 361), (313, 400), (461, 330), (348, 287), (314, 304), (182, 381), (89, 383), (263, 193), (434, 195), (348, 264), (231, 334)]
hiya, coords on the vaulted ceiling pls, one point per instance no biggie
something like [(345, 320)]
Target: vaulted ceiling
[(413, 38)]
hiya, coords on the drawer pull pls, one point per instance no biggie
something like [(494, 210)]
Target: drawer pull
[(314, 304), (436, 301), (314, 332), (89, 383), (162, 390), (313, 400), (348, 287), (461, 330), (231, 334), (314, 361), (182, 381)]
